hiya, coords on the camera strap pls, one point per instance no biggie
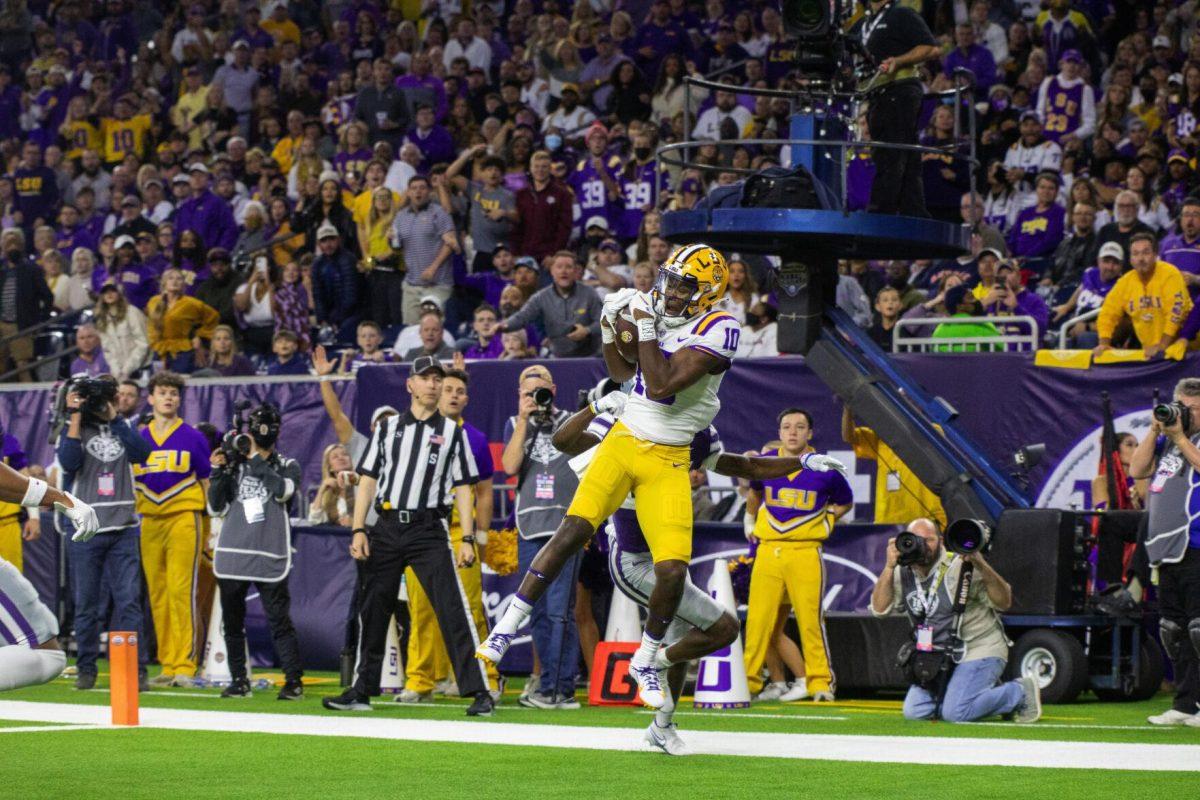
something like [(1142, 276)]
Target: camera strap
[(927, 599)]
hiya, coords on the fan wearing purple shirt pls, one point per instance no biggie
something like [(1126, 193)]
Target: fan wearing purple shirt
[(435, 142), (1040, 227), (487, 341), (1183, 248)]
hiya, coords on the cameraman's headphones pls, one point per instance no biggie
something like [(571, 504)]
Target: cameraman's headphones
[(264, 423)]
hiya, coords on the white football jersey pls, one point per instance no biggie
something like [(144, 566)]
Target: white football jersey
[(677, 419)]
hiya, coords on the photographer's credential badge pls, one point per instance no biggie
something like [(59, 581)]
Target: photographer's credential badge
[(544, 486), (106, 485)]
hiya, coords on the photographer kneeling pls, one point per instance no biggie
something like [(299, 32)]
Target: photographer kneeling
[(251, 486), (958, 652)]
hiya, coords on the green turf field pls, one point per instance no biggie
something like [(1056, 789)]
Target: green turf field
[(155, 762)]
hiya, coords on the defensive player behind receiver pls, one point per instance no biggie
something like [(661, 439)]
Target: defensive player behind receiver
[(29, 648), (684, 350), (701, 626)]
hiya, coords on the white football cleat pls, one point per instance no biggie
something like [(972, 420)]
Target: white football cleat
[(1171, 717), (772, 691), (666, 739), (650, 690), (823, 697), (493, 648), (797, 691)]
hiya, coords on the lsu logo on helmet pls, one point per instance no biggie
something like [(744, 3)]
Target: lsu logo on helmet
[(702, 269)]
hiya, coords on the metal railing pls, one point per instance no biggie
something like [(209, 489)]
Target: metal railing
[(812, 98), (1064, 331), (1005, 340)]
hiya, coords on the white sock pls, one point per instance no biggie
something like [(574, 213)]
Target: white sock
[(664, 716), (647, 650), (514, 616), (661, 659), (22, 666)]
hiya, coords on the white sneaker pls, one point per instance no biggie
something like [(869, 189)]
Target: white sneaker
[(797, 692), (1173, 717), (666, 739), (531, 687), (493, 648), (823, 697), (650, 690), (772, 691), (1194, 722), (447, 688), (1030, 709), (409, 696)]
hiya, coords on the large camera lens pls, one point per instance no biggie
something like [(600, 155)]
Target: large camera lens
[(911, 548), (966, 536), (1166, 413), (543, 397)]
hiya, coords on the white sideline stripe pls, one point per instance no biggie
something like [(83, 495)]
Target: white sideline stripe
[(880, 749), (40, 728)]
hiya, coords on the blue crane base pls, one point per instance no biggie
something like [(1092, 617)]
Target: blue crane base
[(799, 233)]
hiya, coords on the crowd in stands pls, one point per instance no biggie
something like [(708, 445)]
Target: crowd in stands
[(221, 186)]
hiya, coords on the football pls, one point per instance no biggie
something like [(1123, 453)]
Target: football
[(627, 338)]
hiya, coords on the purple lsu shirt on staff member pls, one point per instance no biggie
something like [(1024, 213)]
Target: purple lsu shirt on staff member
[(795, 507), (706, 449)]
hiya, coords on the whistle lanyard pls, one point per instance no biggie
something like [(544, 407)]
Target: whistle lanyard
[(927, 600)]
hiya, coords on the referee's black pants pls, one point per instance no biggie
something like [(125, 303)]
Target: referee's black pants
[(424, 545), (893, 116)]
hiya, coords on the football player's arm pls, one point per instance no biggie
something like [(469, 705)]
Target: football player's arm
[(756, 468), (619, 369), (572, 437), (14, 486), (665, 378), (754, 498), (839, 511)]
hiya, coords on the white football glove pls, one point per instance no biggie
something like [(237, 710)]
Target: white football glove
[(616, 302), (612, 403), (819, 463), (82, 516), (641, 301)]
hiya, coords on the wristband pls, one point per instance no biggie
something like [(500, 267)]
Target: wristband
[(468, 539), (363, 531), (646, 330), (35, 491), (592, 408), (607, 335)]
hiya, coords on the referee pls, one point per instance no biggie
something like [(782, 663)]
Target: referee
[(407, 473), (898, 40)]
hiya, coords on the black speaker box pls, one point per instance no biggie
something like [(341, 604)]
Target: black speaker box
[(1034, 550)]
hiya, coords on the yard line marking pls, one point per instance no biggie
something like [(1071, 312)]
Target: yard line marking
[(791, 717), (1069, 726), (40, 728), (965, 751), (160, 693)]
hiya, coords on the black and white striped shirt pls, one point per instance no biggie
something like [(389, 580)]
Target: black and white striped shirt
[(418, 462)]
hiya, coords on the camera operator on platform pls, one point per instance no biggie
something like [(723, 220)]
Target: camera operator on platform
[(957, 655), (97, 452), (1170, 458), (251, 487), (898, 42)]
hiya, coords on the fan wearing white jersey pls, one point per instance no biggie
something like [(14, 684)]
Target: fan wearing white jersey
[(684, 349), (29, 649)]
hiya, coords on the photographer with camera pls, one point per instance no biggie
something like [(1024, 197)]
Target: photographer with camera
[(959, 649), (97, 452), (1168, 455), (250, 488), (545, 485)]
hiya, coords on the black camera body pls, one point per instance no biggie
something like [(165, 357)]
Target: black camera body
[(236, 442), (912, 549), (1170, 413), (96, 394)]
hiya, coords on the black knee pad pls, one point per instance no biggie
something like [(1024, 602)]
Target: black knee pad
[(1172, 636)]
